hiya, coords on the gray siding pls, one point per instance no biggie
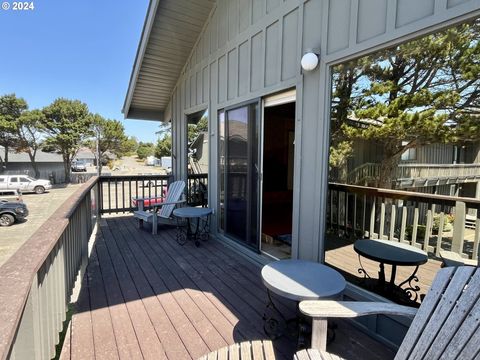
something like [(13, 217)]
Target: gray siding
[(45, 169), (251, 48)]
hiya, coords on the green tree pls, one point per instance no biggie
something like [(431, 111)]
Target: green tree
[(110, 137), (195, 129), (130, 145), (67, 124), (11, 109), (145, 149), (30, 133), (421, 92), (163, 147)]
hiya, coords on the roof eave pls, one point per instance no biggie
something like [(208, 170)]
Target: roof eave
[(147, 28), (142, 114)]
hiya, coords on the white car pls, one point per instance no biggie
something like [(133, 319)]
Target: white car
[(24, 183)]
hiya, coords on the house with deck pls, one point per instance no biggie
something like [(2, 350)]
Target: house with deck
[(263, 71)]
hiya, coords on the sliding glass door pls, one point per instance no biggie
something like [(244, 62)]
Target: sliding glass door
[(239, 173)]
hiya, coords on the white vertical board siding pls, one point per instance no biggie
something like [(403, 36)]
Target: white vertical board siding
[(382, 21), (272, 60), (243, 68), (256, 61), (232, 74), (289, 56), (368, 10), (251, 48)]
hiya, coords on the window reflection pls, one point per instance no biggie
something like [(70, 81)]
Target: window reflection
[(405, 127)]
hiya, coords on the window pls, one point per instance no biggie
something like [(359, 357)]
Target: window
[(399, 118), (14, 179), (410, 154), (22, 179)]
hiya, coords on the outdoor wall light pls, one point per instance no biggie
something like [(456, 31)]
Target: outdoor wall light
[(309, 61)]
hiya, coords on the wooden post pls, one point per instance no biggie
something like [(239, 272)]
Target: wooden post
[(459, 228), (319, 334)]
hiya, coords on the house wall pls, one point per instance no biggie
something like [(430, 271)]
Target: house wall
[(46, 169), (251, 48)]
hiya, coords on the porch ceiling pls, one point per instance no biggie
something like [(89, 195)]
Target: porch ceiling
[(170, 31)]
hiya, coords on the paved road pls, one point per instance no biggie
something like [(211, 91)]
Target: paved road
[(40, 208)]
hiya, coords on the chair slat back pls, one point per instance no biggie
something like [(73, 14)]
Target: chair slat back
[(444, 319), (247, 350), (174, 193)]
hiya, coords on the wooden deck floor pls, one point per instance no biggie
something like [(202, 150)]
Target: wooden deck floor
[(341, 255), (146, 297)]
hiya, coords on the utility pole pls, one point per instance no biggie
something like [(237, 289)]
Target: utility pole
[(97, 128)]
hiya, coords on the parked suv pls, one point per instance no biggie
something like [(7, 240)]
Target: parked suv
[(11, 211), (24, 183), (79, 166)]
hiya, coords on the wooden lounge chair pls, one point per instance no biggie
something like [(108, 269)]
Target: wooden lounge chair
[(162, 212), (251, 350), (446, 326)]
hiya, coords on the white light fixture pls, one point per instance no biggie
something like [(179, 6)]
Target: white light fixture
[(309, 61)]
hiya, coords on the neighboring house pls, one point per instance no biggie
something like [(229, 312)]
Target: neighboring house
[(50, 165), (436, 168), (241, 61), (87, 156), (198, 154)]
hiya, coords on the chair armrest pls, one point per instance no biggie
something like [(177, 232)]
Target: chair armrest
[(321, 310), (168, 203), (350, 309), (148, 198)]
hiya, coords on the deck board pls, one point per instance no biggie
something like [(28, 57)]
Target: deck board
[(144, 296)]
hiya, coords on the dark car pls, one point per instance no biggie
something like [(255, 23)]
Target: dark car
[(11, 211)]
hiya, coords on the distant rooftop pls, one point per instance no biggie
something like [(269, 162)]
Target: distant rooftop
[(23, 157)]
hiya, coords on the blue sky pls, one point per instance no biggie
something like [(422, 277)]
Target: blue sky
[(78, 49)]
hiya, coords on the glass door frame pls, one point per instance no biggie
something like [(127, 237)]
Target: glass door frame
[(258, 133)]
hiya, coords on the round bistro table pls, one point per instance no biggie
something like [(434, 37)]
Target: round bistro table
[(395, 254), (198, 215), (298, 280)]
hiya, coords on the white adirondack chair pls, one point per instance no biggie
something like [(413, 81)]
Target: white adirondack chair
[(163, 211), (446, 326), (247, 350)]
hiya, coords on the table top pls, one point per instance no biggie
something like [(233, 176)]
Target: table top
[(302, 280), (390, 252), (192, 212)]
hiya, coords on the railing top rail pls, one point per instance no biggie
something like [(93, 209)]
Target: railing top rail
[(415, 165), (17, 274), (406, 195), (127, 177)]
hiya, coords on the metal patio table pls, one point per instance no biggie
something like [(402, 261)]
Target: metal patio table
[(298, 280), (395, 254), (201, 224)]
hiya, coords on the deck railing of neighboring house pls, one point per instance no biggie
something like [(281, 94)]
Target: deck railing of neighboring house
[(360, 211), (36, 283), (412, 175)]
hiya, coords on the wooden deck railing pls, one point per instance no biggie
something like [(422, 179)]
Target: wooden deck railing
[(117, 192), (413, 175), (410, 217), (36, 283)]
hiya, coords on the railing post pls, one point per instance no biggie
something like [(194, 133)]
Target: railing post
[(28, 343), (459, 228)]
